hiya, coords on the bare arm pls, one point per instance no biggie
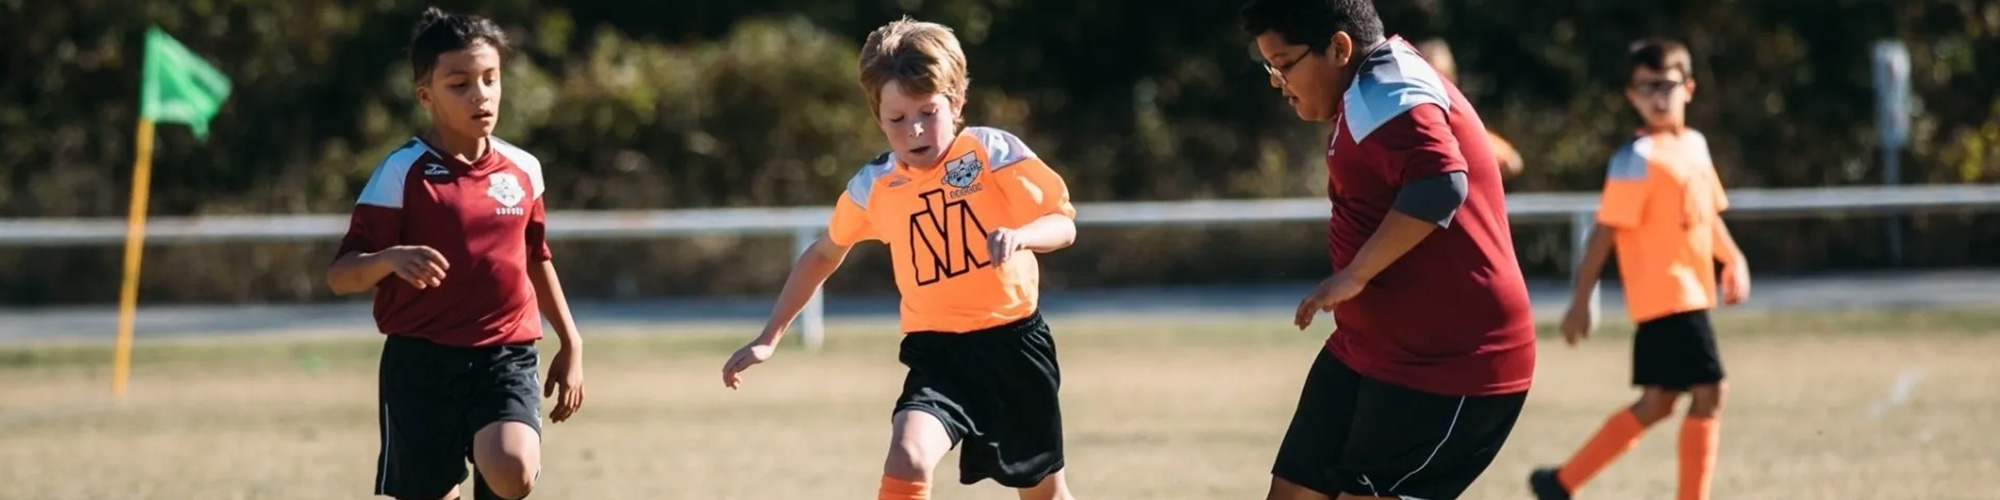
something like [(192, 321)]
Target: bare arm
[(553, 305), (1398, 234), (1595, 253), (356, 272), (1047, 234), (808, 274), (1726, 250)]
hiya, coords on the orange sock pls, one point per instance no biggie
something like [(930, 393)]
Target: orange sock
[(1699, 439), (1620, 433), (903, 489)]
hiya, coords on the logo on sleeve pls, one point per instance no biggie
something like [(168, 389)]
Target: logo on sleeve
[(506, 188), (1334, 139), (963, 174)]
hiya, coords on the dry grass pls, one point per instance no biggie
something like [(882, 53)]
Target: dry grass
[(1156, 410)]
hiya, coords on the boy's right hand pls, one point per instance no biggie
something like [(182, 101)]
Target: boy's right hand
[(750, 355), (421, 266), (1576, 325)]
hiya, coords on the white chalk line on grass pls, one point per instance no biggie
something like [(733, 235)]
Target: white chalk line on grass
[(1899, 391)]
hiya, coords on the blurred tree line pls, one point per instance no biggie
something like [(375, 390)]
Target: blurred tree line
[(699, 103)]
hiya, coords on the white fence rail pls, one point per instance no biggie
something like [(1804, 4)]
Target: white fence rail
[(804, 224)]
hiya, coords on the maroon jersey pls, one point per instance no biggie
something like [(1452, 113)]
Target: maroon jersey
[(485, 217), (1451, 317)]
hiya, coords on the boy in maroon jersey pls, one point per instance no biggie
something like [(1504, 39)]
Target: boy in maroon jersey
[(455, 217), (1419, 387)]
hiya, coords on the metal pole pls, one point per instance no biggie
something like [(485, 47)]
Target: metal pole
[(1580, 226), (1891, 163), (811, 322), (1891, 59)]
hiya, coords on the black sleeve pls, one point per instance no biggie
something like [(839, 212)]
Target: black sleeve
[(1433, 199)]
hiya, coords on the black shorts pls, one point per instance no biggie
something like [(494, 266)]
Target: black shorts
[(435, 397), (1356, 435), (1676, 351), (995, 391)]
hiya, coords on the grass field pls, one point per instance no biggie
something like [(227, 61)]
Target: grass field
[(1157, 409)]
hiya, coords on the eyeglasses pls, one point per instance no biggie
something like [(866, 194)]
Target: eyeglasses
[(1278, 72), (1657, 87)]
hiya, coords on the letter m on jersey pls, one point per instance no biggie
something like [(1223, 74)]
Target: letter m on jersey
[(944, 239)]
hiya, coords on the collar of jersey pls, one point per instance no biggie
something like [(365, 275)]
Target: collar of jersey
[(1387, 44), (488, 161), (963, 133)]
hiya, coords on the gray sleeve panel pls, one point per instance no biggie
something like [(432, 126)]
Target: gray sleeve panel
[(1433, 199)]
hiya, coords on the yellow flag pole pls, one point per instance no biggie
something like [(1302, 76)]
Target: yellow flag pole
[(135, 239)]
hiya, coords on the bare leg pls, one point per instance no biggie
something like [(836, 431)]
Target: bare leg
[(917, 441), (1287, 490), (1656, 404), (1053, 487), (508, 455)]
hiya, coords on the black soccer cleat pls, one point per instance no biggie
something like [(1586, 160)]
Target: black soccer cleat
[(1546, 486)]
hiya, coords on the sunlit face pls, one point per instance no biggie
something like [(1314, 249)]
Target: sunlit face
[(1311, 82), (1660, 96), (463, 94), (919, 127)]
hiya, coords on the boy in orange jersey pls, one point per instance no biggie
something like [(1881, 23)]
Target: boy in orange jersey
[(963, 211), (1660, 209)]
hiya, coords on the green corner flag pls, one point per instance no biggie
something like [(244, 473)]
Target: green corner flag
[(179, 87)]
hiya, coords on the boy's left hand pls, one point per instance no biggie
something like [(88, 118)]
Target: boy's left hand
[(1735, 283), (1330, 293), (565, 384), (1001, 245)]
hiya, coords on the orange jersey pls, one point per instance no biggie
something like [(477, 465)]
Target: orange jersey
[(1662, 199), (935, 221)]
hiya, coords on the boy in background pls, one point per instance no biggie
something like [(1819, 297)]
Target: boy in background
[(1661, 210), (1438, 53)]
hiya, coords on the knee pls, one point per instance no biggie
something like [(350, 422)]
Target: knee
[(908, 461), (1650, 410), (512, 478), (1707, 401)]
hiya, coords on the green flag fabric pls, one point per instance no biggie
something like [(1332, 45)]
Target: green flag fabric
[(179, 86)]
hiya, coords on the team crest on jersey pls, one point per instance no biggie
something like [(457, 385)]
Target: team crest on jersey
[(506, 188), (963, 173)]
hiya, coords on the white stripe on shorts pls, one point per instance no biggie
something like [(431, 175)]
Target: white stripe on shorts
[(1440, 446)]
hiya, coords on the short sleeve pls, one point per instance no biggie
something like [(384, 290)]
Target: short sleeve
[(1034, 190), (377, 222), (1416, 145), (849, 224), (1625, 188), (371, 229), (538, 241)]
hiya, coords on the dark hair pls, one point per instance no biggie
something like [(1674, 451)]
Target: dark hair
[(1312, 23), (1660, 54), (440, 32)]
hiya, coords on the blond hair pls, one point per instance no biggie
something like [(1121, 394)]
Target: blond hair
[(1438, 53), (921, 57)]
